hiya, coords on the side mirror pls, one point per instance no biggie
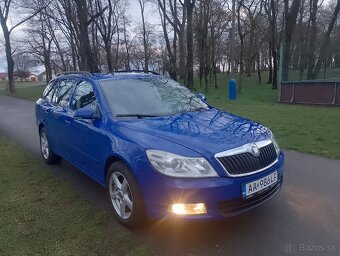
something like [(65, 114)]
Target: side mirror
[(202, 97), (84, 113)]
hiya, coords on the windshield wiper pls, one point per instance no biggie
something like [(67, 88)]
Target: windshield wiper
[(139, 116), (200, 109)]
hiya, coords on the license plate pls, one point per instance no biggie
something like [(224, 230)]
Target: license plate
[(259, 185)]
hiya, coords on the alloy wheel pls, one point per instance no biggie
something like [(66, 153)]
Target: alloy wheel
[(120, 194), (44, 145)]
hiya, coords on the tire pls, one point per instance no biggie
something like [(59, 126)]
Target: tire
[(46, 151), (124, 196)]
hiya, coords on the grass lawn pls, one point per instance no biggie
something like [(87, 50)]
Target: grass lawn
[(309, 129), (41, 215), (27, 91)]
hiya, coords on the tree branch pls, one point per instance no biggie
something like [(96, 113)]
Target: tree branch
[(28, 18), (96, 15)]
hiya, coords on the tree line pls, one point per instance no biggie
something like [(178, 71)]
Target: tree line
[(191, 38)]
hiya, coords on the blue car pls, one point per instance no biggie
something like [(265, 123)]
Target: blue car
[(160, 150)]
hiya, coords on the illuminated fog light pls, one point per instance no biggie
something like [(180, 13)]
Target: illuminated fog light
[(188, 209)]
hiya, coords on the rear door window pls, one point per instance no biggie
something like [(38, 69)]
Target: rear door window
[(64, 93)]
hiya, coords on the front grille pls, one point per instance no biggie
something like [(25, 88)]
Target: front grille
[(244, 163), (229, 208)]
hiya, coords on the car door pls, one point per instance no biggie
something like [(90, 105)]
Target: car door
[(44, 109), (61, 116), (90, 142)]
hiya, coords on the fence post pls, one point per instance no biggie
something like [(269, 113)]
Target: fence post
[(279, 77)]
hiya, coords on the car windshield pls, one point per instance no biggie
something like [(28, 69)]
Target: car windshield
[(149, 96)]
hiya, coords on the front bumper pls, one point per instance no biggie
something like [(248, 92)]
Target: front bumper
[(221, 195)]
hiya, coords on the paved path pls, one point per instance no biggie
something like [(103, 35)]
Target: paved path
[(304, 219)]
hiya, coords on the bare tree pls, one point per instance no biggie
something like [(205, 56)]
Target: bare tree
[(5, 7), (41, 43)]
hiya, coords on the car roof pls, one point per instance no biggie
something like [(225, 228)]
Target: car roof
[(114, 75)]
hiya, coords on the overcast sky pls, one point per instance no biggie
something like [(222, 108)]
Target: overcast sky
[(151, 16)]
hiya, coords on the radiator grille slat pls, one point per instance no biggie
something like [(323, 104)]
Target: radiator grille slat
[(244, 163)]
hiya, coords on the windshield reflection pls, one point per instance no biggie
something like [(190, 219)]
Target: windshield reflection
[(149, 96)]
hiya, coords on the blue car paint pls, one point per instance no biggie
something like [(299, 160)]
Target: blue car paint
[(90, 144)]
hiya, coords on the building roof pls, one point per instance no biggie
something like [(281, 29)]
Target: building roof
[(3, 75)]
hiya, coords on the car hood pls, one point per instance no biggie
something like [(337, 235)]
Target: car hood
[(206, 132)]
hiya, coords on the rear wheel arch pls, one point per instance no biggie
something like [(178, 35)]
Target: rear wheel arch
[(45, 147)]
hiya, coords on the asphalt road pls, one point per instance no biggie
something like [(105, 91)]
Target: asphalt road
[(303, 219)]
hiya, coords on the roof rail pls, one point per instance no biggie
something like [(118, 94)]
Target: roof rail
[(85, 73), (136, 71)]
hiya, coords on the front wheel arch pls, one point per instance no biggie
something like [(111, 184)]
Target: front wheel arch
[(113, 159)]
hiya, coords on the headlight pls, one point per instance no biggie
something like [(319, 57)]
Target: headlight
[(276, 145), (179, 166)]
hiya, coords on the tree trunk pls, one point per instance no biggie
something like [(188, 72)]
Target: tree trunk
[(172, 57), (258, 68), (146, 55), (108, 51), (117, 47), (215, 75), (10, 64), (270, 63), (275, 63), (181, 64), (73, 50), (311, 46), (291, 16), (9, 57), (274, 46), (127, 62), (190, 57), (87, 61)]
